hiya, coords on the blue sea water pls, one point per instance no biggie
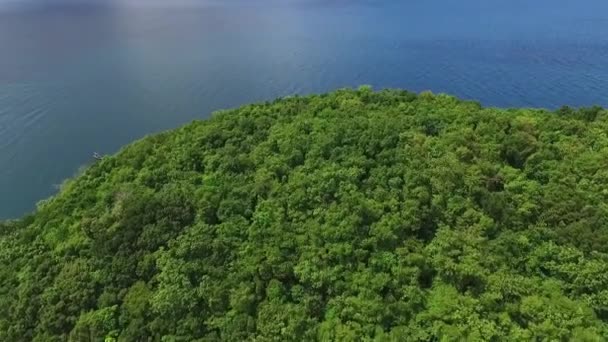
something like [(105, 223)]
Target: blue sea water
[(84, 76)]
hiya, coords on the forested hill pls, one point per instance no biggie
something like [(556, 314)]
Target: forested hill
[(349, 216)]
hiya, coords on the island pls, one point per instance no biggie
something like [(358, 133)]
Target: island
[(356, 215)]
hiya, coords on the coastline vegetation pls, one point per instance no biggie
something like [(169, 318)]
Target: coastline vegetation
[(350, 216)]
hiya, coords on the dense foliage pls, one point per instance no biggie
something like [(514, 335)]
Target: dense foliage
[(354, 215)]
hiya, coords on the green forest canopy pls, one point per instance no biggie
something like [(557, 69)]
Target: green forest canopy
[(351, 216)]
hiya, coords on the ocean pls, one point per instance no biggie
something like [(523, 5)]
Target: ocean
[(78, 77)]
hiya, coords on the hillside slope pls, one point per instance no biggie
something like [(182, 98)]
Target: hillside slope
[(346, 216)]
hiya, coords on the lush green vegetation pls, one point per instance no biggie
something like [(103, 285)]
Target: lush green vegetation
[(350, 216)]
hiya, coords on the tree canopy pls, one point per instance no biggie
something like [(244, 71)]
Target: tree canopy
[(349, 216)]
